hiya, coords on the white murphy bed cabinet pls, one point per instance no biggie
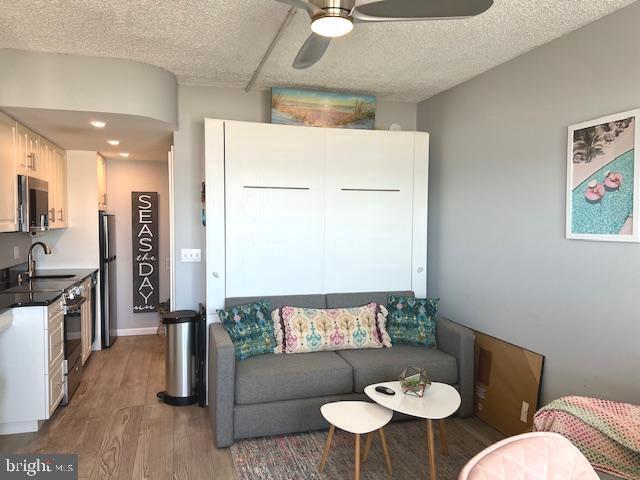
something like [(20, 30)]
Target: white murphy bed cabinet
[(302, 210), (23, 152), (31, 367)]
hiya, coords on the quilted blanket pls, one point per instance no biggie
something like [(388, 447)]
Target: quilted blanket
[(607, 433)]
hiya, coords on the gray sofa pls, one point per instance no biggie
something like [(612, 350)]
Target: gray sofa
[(275, 394)]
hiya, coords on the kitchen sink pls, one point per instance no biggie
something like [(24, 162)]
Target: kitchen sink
[(52, 277)]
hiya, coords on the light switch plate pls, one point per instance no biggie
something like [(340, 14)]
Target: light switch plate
[(524, 413), (190, 255), (16, 252)]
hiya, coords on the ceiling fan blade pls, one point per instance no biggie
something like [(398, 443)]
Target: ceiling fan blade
[(312, 51), (407, 10), (310, 8)]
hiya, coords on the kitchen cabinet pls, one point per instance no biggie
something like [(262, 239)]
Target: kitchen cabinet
[(86, 319), (58, 217), (31, 157), (23, 152), (102, 182), (31, 367), (8, 179)]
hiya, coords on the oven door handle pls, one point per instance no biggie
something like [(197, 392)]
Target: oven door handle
[(75, 307)]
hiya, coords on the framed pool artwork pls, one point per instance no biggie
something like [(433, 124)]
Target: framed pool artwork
[(603, 179), (291, 106)]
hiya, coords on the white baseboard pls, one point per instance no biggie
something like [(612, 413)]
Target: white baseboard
[(128, 332)]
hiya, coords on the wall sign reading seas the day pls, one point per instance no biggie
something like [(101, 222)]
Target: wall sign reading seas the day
[(144, 218)]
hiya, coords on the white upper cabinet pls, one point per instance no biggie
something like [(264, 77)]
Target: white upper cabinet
[(8, 179), (369, 210), (23, 152), (102, 182), (62, 196), (23, 149), (57, 187), (313, 210), (274, 204)]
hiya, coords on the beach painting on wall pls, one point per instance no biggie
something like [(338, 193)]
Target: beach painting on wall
[(291, 106), (603, 179)]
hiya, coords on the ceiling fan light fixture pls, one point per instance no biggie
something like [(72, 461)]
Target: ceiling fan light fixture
[(334, 24)]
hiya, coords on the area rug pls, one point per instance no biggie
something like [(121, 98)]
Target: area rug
[(296, 457)]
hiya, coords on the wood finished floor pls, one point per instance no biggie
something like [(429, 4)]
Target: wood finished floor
[(121, 431), (119, 428)]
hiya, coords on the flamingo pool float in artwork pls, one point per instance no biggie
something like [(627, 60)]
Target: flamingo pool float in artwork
[(594, 192), (613, 180)]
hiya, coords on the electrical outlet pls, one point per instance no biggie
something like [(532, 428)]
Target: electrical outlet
[(16, 252), (190, 255), (524, 412)]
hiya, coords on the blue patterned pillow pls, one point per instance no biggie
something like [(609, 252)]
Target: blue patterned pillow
[(412, 321), (250, 328)]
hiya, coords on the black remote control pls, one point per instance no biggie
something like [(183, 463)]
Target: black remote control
[(385, 390)]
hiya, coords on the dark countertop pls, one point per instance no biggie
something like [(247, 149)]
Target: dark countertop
[(43, 291)]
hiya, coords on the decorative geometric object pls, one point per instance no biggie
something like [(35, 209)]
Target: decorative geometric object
[(290, 106), (414, 381)]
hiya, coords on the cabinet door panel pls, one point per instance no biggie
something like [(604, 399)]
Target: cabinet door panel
[(369, 211), (22, 151), (8, 177), (61, 188), (274, 209)]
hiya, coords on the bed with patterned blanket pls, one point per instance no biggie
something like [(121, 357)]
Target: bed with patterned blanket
[(606, 432)]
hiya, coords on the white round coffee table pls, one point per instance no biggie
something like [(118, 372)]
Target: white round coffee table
[(358, 418), (439, 402)]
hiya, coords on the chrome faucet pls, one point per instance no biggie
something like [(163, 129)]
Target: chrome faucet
[(31, 262)]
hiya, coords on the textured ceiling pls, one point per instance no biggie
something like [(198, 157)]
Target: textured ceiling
[(220, 42)]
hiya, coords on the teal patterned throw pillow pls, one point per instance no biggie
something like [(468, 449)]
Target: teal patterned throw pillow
[(250, 328), (412, 321)]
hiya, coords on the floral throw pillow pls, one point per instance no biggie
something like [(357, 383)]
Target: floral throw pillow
[(412, 321), (250, 328), (302, 330)]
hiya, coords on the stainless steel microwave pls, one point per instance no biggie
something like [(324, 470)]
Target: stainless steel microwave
[(33, 204)]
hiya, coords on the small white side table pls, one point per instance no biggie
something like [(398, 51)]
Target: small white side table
[(358, 418), (439, 402)]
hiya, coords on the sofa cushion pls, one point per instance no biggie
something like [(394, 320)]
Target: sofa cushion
[(308, 301), (250, 328), (271, 378), (386, 364), (304, 330), (342, 300), (412, 321)]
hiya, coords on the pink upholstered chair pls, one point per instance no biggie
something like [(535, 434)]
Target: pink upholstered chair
[(532, 456)]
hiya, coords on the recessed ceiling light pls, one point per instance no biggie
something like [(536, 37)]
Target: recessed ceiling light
[(124, 154), (115, 143), (98, 123)]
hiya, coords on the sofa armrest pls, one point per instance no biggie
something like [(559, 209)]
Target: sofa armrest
[(459, 341), (222, 379)]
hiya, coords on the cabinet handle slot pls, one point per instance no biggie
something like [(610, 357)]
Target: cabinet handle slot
[(275, 188), (388, 190)]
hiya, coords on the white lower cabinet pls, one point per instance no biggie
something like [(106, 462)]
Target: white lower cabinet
[(31, 367), (85, 320)]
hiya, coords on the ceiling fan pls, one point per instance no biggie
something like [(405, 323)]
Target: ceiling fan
[(335, 18)]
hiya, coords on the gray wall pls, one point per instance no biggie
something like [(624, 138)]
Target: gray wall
[(497, 253), (7, 242), (194, 104), (93, 84), (124, 177)]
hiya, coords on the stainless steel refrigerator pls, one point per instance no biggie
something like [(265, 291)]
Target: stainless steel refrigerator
[(108, 303)]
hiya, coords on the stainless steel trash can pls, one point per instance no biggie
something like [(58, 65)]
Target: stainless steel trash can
[(181, 358)]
